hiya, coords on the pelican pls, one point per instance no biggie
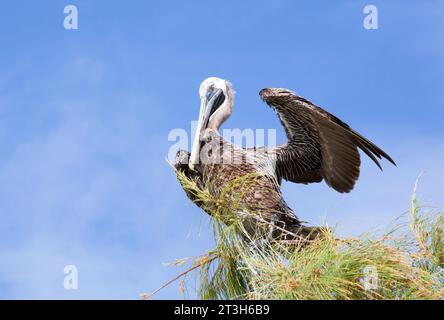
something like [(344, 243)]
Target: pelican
[(320, 147)]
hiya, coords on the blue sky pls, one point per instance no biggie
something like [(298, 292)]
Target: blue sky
[(85, 116)]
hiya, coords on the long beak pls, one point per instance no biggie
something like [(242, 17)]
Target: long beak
[(208, 104)]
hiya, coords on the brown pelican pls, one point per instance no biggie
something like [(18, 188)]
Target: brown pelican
[(320, 147)]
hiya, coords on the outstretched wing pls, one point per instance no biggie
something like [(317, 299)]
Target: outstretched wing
[(320, 146)]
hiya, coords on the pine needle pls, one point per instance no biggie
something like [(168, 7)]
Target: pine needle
[(405, 263)]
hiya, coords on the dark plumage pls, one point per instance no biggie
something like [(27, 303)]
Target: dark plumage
[(320, 147)]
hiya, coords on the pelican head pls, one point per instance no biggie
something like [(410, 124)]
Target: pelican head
[(216, 105)]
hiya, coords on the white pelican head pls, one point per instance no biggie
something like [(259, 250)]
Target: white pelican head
[(216, 105)]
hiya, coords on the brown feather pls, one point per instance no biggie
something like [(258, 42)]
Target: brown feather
[(318, 142)]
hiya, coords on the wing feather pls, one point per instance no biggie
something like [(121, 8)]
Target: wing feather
[(320, 146)]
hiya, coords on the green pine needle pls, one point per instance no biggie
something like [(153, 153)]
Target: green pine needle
[(405, 263)]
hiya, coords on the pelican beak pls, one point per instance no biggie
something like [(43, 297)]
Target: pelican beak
[(208, 105)]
